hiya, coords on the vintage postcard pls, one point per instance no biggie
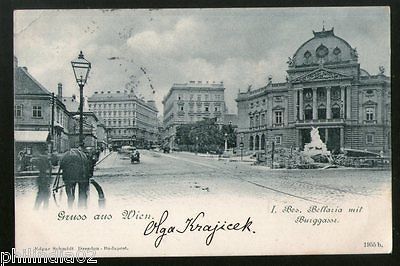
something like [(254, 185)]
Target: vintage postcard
[(202, 132)]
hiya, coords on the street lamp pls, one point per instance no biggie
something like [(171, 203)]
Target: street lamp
[(81, 68), (241, 146), (226, 142), (197, 144)]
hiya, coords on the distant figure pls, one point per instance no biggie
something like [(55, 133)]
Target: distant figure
[(43, 164), (76, 170)]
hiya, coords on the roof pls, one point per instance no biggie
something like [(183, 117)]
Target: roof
[(26, 84), (31, 136), (325, 39)]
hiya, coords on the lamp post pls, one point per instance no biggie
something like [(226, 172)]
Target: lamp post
[(197, 144), (241, 146), (81, 68)]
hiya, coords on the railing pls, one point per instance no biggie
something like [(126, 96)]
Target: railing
[(311, 121)]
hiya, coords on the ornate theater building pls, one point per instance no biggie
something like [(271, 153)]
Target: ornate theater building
[(325, 88)]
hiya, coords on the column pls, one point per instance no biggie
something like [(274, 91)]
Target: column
[(269, 111), (254, 142), (301, 110), (259, 143), (297, 101), (326, 135), (342, 101), (341, 138), (348, 103), (314, 104), (298, 138), (328, 103)]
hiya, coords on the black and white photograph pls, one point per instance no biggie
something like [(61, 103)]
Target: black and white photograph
[(202, 131)]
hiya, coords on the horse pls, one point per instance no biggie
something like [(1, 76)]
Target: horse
[(75, 167)]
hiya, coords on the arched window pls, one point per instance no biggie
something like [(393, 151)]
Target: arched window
[(321, 111), (308, 112), (322, 51), (307, 57), (257, 142), (251, 143), (337, 53), (263, 142), (335, 111)]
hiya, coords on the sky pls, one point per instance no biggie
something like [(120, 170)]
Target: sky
[(150, 50)]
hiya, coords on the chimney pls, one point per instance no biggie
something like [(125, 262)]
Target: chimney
[(59, 91)]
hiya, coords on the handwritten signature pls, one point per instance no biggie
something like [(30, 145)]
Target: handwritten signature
[(191, 225)]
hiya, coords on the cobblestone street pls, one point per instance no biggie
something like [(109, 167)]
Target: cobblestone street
[(162, 176)]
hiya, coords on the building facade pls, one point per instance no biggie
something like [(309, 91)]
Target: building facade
[(128, 119), (40, 118), (191, 102), (325, 88)]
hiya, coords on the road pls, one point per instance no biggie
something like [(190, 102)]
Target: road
[(162, 176)]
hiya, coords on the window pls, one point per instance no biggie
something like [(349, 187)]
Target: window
[(216, 109), (37, 111), (278, 140), (191, 96), (217, 97), (181, 108), (370, 113), (18, 110), (199, 97), (206, 108), (206, 97), (263, 101), (369, 139), (251, 105), (307, 57), (278, 117)]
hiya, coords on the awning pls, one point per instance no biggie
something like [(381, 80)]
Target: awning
[(30, 136)]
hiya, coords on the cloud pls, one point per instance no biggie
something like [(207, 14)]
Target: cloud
[(237, 46)]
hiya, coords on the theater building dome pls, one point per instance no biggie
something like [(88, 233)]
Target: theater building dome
[(325, 47)]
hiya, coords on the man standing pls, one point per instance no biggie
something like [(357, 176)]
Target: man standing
[(43, 164)]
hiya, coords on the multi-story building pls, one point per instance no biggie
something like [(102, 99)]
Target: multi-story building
[(191, 102), (128, 119), (90, 123), (325, 88), (34, 115)]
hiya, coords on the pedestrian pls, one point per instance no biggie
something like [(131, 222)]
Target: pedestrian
[(43, 164)]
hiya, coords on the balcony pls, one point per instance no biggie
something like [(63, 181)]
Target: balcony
[(320, 122)]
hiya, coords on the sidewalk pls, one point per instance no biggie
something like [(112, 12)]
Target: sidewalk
[(229, 157)]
